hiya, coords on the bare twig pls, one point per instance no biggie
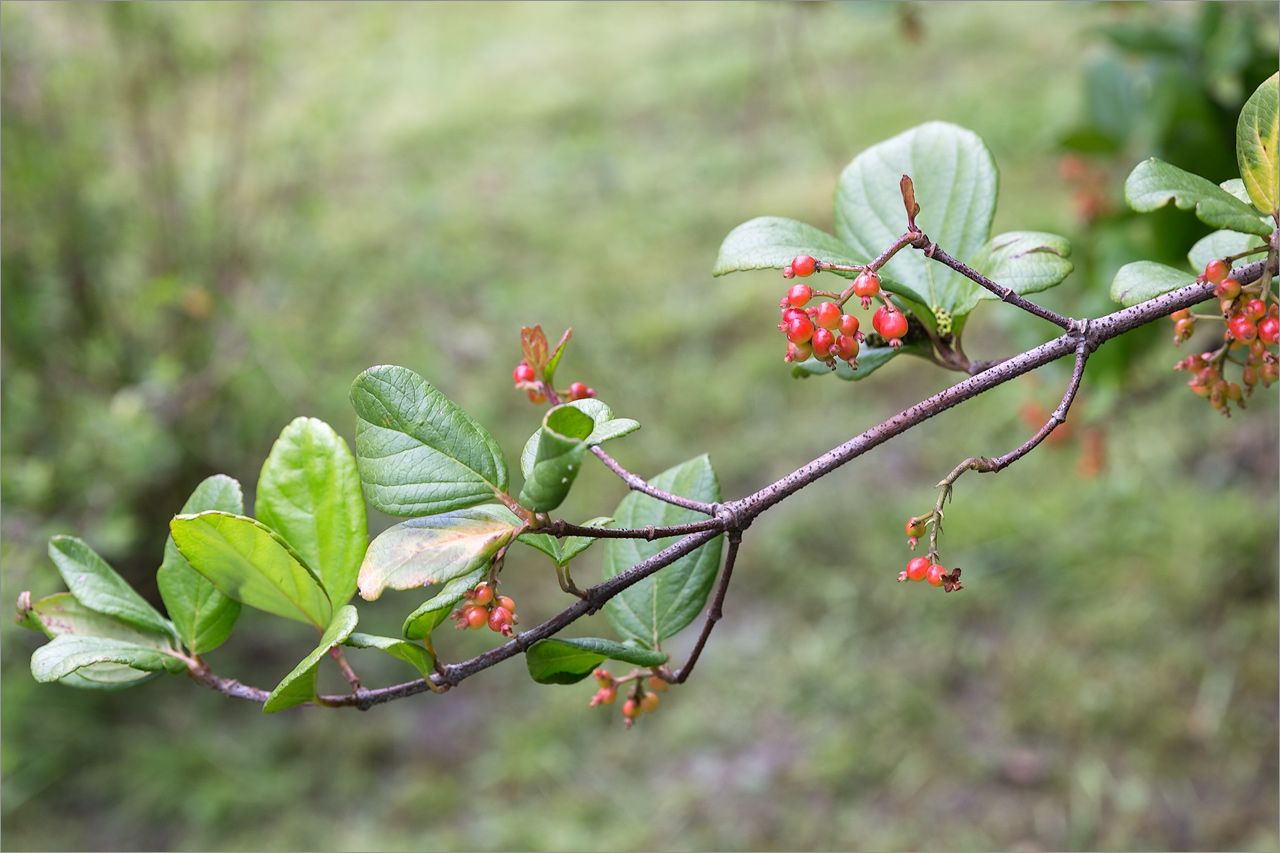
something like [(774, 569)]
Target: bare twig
[(715, 611)]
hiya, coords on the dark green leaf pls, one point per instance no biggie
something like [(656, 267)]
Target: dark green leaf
[(561, 661), (1143, 280), (202, 616), (1257, 134), (550, 466), (955, 184), (418, 452), (1154, 183), (309, 493), (69, 652), (772, 242), (403, 649), (545, 543), (1023, 261), (299, 686), (248, 562), (97, 586), (421, 622), (663, 603), (435, 549)]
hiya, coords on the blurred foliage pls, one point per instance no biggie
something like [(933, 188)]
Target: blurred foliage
[(216, 216)]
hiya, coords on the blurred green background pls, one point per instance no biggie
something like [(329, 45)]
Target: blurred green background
[(215, 216)]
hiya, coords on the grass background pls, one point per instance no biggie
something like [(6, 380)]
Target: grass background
[(217, 215)]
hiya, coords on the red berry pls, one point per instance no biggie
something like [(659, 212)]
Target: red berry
[(1184, 314), (1228, 288), (828, 316), (1269, 372), (605, 696), (849, 324), (577, 391), (536, 397), (483, 594), (602, 677), (1255, 309), (890, 324), (1216, 270), (631, 708), (1242, 328), (846, 347), (1183, 329), (500, 620), (803, 266), (799, 294), (1249, 376), (1269, 331), (799, 330), (523, 373), (798, 352), (649, 703), (934, 575), (918, 568), (915, 527), (507, 603), (822, 342), (656, 683), (475, 616), (866, 286)]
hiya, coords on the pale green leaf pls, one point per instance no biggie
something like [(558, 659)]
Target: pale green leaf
[(1220, 244), (408, 652), (1154, 183), (299, 686), (309, 493), (1143, 280), (773, 242), (1257, 134), (67, 653), (1023, 261)]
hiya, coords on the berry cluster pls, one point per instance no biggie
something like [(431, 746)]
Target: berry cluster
[(1252, 329), (484, 607), (824, 330), (638, 701), (924, 569), (527, 380)]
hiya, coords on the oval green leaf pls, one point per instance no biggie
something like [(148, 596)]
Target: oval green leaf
[(67, 653), (408, 652), (1143, 280), (202, 616), (955, 182), (299, 686), (1257, 134), (417, 451), (773, 242), (1220, 244), (663, 603), (435, 549), (97, 586), (1023, 261), (568, 661), (248, 562), (1154, 183), (420, 623), (309, 493), (61, 614)]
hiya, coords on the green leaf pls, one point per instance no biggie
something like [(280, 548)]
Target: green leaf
[(412, 654), (549, 372), (107, 676), (1143, 280), (249, 562), (69, 652), (955, 182), (1220, 244), (573, 545), (418, 452), (1236, 187), (773, 242), (435, 549), (202, 616), (299, 686), (421, 622), (561, 661), (1153, 183), (309, 493), (1257, 133), (552, 457), (61, 613), (870, 359), (1023, 261), (663, 603), (97, 586)]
